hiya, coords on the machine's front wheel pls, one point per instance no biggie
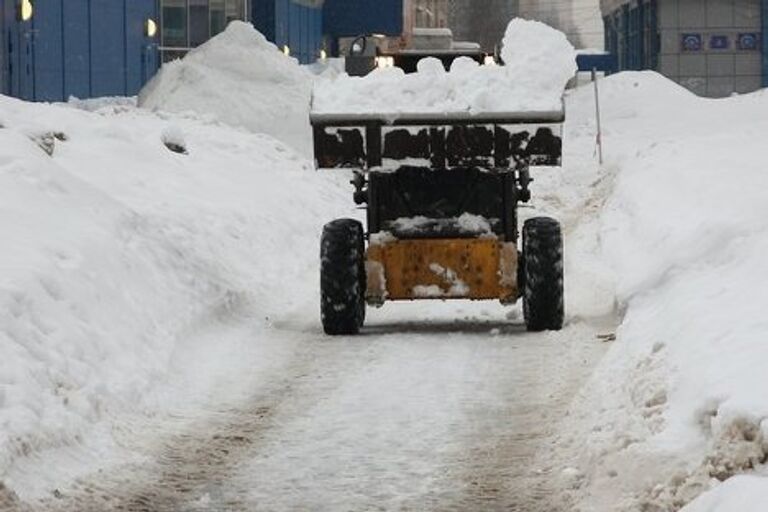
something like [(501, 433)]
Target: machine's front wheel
[(342, 277), (543, 303)]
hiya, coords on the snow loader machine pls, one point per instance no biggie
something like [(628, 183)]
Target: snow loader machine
[(441, 194)]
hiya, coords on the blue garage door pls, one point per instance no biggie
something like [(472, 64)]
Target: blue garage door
[(83, 48), (77, 43), (18, 65), (107, 47)]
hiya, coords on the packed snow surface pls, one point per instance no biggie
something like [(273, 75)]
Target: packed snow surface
[(539, 63), (241, 79)]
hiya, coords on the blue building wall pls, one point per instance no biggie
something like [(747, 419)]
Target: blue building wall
[(344, 18), (91, 48), (764, 22), (83, 48), (362, 17), (292, 23)]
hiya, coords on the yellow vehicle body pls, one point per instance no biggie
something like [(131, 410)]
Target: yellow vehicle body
[(415, 269)]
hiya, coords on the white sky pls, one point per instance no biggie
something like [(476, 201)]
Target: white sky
[(580, 19)]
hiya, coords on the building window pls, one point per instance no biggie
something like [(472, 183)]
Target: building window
[(199, 22), (186, 24), (651, 36), (174, 26), (218, 16)]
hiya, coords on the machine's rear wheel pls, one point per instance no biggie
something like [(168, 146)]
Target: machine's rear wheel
[(543, 304), (342, 277)]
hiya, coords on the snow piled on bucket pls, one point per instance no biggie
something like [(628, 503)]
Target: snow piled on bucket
[(538, 58), (539, 63), (241, 79)]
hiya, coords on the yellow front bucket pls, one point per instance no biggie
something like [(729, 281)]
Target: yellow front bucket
[(478, 269)]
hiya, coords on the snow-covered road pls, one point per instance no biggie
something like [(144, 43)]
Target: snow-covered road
[(162, 349), (452, 407)]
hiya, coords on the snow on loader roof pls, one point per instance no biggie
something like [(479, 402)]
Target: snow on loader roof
[(439, 118), (538, 59)]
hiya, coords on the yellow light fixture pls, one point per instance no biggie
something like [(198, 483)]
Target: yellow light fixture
[(151, 28), (286, 50), (323, 54), (26, 10)]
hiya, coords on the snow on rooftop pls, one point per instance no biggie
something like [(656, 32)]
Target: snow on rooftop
[(466, 45), (539, 62), (427, 31)]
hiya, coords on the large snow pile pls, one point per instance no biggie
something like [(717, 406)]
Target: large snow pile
[(118, 252), (679, 402), (539, 63), (745, 493), (241, 79)]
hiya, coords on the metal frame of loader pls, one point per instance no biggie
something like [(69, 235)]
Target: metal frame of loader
[(447, 171)]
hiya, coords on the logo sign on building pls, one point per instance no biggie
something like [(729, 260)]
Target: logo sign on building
[(719, 42), (748, 41), (691, 42)]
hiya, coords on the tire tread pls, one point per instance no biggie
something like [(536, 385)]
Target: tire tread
[(543, 301), (342, 277)]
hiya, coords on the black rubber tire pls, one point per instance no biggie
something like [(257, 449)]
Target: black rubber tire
[(543, 301), (342, 277)]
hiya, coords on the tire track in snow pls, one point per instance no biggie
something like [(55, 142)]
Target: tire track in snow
[(512, 440), (187, 454), (416, 414)]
